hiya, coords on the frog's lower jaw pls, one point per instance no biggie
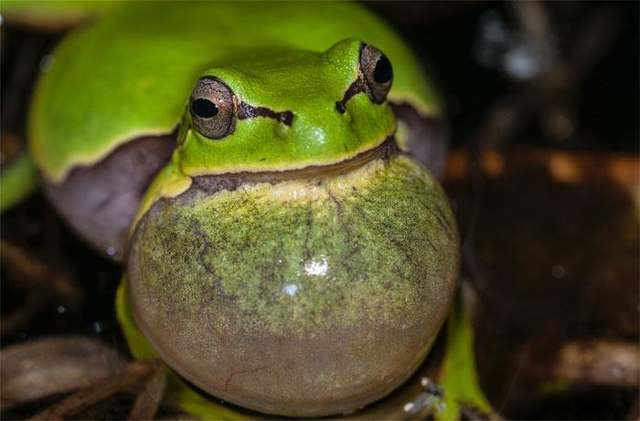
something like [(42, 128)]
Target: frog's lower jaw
[(313, 173), (307, 296)]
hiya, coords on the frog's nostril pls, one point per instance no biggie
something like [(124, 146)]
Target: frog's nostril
[(286, 117)]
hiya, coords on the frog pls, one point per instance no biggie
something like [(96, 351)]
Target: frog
[(267, 175)]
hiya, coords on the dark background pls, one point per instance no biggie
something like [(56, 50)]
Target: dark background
[(447, 36)]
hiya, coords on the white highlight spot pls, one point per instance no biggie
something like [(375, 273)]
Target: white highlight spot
[(557, 271), (319, 135), (316, 267), (409, 407), (522, 63), (290, 289), (97, 327)]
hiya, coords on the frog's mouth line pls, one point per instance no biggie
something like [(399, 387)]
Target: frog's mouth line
[(231, 181)]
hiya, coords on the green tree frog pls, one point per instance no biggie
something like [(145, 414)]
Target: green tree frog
[(265, 172)]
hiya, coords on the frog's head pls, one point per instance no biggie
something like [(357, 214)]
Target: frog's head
[(284, 110)]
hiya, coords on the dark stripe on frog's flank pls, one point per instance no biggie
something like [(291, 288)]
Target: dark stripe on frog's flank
[(100, 201), (427, 136), (246, 111), (211, 184)]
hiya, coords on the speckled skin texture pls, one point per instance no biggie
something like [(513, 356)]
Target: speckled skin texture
[(304, 297)]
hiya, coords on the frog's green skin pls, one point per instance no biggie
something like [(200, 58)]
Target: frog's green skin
[(120, 91), (109, 94), (278, 242), (54, 15), (18, 183)]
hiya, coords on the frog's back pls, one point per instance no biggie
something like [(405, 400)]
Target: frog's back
[(130, 74), (106, 110)]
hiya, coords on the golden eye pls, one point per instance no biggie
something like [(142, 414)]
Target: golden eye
[(377, 71), (213, 108)]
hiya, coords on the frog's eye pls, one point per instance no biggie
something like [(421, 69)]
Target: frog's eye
[(377, 71), (213, 108)]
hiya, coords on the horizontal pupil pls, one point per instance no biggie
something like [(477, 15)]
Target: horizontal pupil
[(204, 108), (383, 71)]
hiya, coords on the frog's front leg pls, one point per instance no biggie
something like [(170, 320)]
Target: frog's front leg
[(17, 181), (458, 374)]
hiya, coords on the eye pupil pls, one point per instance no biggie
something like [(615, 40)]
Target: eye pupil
[(204, 108), (383, 71)]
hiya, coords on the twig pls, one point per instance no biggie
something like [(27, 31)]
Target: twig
[(150, 396), (601, 362), (44, 367), (37, 279), (37, 275), (534, 21), (133, 373), (23, 314)]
